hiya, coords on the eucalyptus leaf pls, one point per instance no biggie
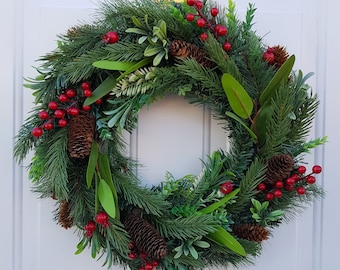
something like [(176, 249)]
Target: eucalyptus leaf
[(106, 198)]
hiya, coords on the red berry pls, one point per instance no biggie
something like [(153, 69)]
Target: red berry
[(62, 98), (317, 169), (70, 93), (190, 17), (214, 11), (262, 187), (311, 179), (268, 56), (226, 187), (200, 22), (301, 169), (73, 111), (132, 255), (191, 2), (90, 226), (53, 105), (59, 113), (148, 266), (279, 184), (204, 37), (290, 181), (102, 218), (269, 196), (198, 4), (220, 30), (110, 37), (86, 108), (48, 126), (62, 123), (43, 115), (277, 193), (87, 93), (289, 187), (155, 263), (300, 190), (85, 85), (98, 101), (227, 46), (37, 132)]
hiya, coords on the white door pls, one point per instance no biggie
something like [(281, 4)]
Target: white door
[(31, 239)]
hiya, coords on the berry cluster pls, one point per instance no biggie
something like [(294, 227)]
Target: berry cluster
[(101, 218), (58, 112), (202, 21), (146, 262), (296, 181), (226, 187)]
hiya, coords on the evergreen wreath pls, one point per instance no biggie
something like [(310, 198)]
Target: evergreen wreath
[(93, 86)]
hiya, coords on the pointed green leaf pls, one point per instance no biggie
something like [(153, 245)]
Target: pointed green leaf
[(104, 88), (241, 121), (158, 58), (239, 100), (151, 50), (136, 66), (136, 22), (202, 244), (136, 31), (113, 65), (281, 75), (91, 165), (193, 252), (220, 203), (224, 238), (142, 39), (106, 198)]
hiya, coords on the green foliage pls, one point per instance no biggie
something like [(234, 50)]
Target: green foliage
[(261, 214)]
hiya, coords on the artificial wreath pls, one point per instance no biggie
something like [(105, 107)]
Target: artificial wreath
[(93, 86)]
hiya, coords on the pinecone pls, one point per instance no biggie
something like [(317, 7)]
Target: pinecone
[(64, 218), (183, 49), (81, 135), (280, 55), (279, 167), (251, 232), (145, 237)]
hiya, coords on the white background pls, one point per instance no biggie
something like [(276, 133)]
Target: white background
[(165, 140)]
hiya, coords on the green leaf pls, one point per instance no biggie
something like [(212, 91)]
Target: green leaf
[(261, 122), (193, 252), (281, 75), (136, 22), (201, 244), (133, 68), (238, 98), (104, 88), (106, 198), (158, 58), (91, 166), (224, 238), (142, 39), (241, 121), (151, 50), (113, 65), (136, 31), (223, 201)]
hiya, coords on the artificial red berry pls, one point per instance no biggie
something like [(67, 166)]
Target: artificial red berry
[(48, 126), (317, 169), (86, 108), (198, 4), (63, 98), (220, 30), (214, 11), (190, 17), (62, 123), (204, 37), (200, 22), (290, 181), (191, 2), (53, 105), (87, 93), (269, 196), (90, 226), (70, 93), (311, 179), (279, 184), (226, 187), (102, 218), (110, 37), (301, 169), (59, 113), (268, 56), (277, 193), (98, 101), (227, 46), (132, 255), (155, 263), (289, 187), (85, 85), (43, 115), (148, 266), (73, 111), (300, 190), (262, 187), (37, 132)]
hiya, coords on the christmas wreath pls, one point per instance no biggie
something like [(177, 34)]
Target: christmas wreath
[(93, 86)]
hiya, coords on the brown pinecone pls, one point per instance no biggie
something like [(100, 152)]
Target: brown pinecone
[(280, 55), (145, 237), (279, 167), (64, 218), (183, 49), (251, 232), (81, 135)]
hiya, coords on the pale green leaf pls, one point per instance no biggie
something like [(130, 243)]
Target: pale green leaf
[(106, 198)]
